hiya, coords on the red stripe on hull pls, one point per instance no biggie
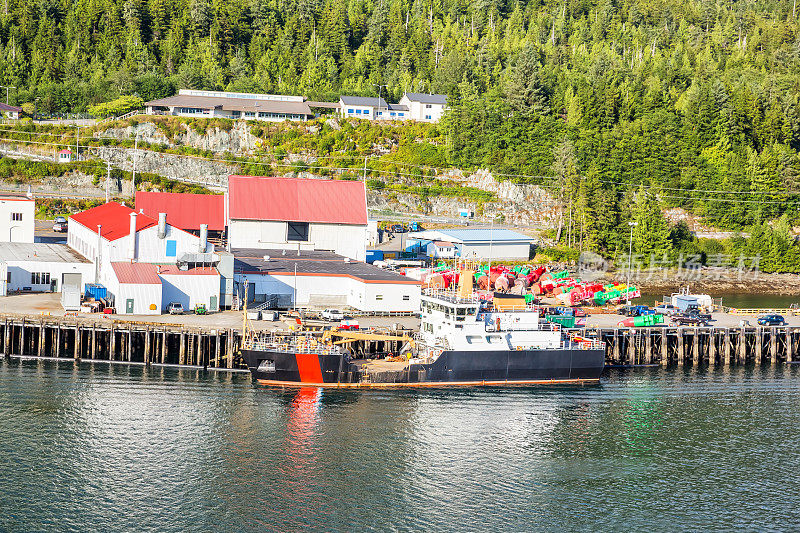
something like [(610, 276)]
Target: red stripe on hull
[(308, 365)]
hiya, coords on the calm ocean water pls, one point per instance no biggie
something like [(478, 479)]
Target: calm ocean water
[(123, 448)]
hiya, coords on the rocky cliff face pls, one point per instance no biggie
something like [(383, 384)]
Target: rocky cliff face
[(184, 168), (524, 205), (238, 140)]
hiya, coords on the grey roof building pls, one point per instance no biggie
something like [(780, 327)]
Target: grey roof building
[(217, 104)]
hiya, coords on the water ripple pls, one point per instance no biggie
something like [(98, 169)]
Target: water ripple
[(110, 447)]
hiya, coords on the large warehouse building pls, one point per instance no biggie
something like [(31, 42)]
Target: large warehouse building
[(480, 243), (298, 214), (318, 279)]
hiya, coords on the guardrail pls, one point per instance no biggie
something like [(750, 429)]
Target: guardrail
[(756, 312)]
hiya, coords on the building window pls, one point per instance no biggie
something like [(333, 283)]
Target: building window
[(297, 231), (402, 114), (262, 114), (392, 114), (8, 277), (427, 106), (350, 111), (406, 298), (249, 114), (40, 278), (358, 111), (172, 248), (16, 217), (379, 296)]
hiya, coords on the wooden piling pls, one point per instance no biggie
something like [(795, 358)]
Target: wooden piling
[(147, 346), (40, 348), (712, 347), (112, 341), (696, 347), (680, 347), (76, 348), (648, 347), (94, 342), (7, 338), (22, 339), (773, 346), (664, 348), (182, 349), (164, 345), (789, 347)]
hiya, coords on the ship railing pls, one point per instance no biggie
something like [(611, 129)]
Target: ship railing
[(450, 295), (289, 344)]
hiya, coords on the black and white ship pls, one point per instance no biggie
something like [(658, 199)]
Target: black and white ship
[(466, 339)]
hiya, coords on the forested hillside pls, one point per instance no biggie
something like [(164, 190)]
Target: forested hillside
[(626, 106)]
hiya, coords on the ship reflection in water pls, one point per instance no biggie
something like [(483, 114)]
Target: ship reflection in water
[(303, 415), (214, 452)]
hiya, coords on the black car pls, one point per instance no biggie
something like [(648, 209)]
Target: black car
[(771, 320)]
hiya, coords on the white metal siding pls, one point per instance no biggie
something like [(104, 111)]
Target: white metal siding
[(143, 295), (14, 230), (498, 251), (21, 273), (189, 290), (313, 290), (344, 239)]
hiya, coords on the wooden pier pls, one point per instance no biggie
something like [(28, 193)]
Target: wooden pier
[(711, 346), (169, 344)]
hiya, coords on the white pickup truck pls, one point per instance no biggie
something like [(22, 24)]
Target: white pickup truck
[(332, 315)]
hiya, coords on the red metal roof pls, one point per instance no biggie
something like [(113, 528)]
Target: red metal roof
[(115, 219), (297, 200), (184, 211), (143, 273), (172, 270)]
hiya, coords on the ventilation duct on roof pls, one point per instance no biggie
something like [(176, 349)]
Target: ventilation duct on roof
[(162, 225), (201, 247)]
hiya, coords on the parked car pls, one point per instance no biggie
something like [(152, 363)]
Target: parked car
[(666, 309), (398, 228), (332, 315), (60, 225), (690, 319), (175, 308), (771, 320), (351, 325), (636, 310)]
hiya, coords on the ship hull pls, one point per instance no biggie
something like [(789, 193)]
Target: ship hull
[(464, 368)]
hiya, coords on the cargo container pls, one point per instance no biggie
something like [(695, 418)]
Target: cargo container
[(374, 255), (96, 291)]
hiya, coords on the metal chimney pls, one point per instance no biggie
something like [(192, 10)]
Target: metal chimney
[(203, 238), (132, 245), (162, 225)]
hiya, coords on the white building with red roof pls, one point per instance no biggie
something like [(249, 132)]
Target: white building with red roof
[(113, 232), (298, 214)]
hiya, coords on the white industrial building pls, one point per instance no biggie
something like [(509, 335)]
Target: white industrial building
[(424, 107), (318, 279), (41, 267), (147, 289), (136, 288), (190, 287), (298, 214), (113, 232), (16, 218), (479, 243)]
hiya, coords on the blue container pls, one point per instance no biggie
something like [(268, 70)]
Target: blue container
[(374, 255), (96, 291)]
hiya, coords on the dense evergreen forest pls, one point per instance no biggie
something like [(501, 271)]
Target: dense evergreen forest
[(626, 106)]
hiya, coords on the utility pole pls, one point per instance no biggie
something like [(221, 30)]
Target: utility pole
[(630, 263), (135, 156), (7, 87), (379, 97), (108, 178)]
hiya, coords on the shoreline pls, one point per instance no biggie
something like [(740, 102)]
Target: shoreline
[(715, 284)]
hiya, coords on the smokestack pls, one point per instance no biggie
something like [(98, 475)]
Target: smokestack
[(203, 238), (162, 225), (132, 246)]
